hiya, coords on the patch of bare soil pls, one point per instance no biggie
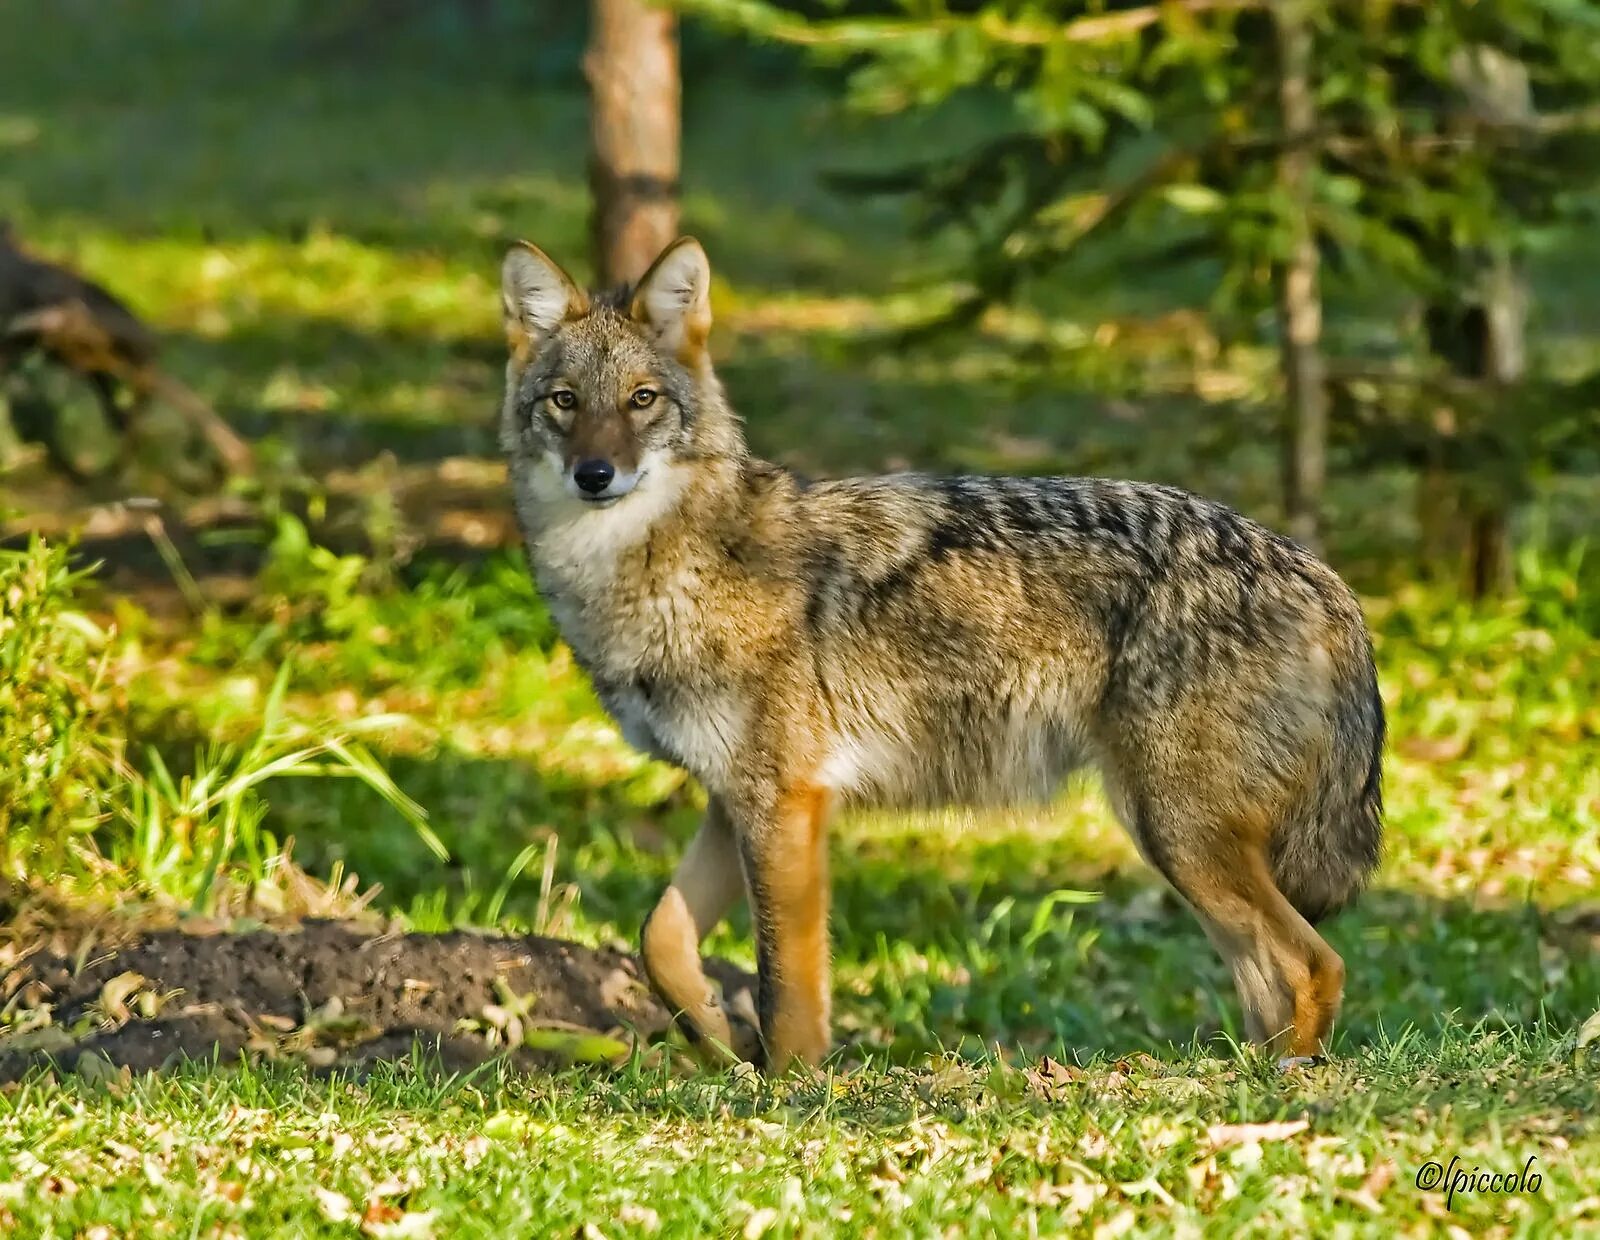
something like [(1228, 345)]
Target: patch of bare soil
[(334, 995)]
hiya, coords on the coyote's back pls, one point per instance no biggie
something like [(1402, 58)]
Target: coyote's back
[(911, 640), (976, 639)]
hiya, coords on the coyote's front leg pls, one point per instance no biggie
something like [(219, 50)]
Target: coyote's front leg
[(704, 887), (783, 841)]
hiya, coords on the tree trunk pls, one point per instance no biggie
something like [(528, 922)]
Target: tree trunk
[(1505, 306), (632, 68), (1298, 293), (1481, 335), (1497, 85)]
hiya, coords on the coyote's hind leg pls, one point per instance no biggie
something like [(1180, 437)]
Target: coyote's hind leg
[(1289, 980)]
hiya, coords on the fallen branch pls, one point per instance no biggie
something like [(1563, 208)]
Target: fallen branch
[(84, 328)]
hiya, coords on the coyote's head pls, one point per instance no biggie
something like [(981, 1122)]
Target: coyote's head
[(605, 393)]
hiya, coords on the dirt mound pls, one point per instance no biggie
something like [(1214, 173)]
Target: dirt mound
[(333, 994)]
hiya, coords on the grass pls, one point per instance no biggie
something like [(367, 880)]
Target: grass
[(1217, 1146), (317, 239)]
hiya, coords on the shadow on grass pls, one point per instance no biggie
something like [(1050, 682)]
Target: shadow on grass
[(831, 402), (964, 941), (824, 402), (942, 941)]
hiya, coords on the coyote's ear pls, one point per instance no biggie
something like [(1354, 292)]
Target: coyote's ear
[(537, 296), (674, 299)]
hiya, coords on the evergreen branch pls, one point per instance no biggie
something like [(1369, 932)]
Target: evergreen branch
[(1002, 273), (860, 34)]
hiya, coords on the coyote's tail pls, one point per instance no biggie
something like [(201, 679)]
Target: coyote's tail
[(1323, 856)]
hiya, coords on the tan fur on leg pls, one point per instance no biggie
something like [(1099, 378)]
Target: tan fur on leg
[(787, 873), (1267, 1004), (703, 888), (1289, 980)]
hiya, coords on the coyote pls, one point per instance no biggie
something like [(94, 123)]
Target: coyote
[(916, 641)]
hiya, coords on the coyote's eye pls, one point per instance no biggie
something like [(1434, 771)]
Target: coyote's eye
[(563, 399), (642, 398)]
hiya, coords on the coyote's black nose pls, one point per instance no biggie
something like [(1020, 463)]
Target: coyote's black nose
[(593, 476)]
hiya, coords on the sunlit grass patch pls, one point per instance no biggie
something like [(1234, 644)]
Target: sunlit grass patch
[(1213, 1145)]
